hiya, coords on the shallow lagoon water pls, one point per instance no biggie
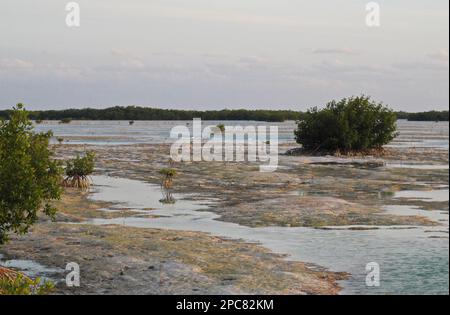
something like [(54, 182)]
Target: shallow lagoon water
[(424, 134), (412, 134), (32, 269), (411, 261), (439, 195), (418, 166), (148, 132)]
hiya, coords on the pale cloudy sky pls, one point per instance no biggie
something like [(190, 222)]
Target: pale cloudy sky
[(212, 54)]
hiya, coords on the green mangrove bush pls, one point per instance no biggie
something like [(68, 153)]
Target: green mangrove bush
[(29, 176), (355, 124)]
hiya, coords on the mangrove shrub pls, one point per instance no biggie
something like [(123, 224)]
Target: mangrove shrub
[(168, 175), (352, 124), (29, 176), (78, 171)]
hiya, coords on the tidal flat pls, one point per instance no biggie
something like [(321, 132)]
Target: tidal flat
[(311, 227)]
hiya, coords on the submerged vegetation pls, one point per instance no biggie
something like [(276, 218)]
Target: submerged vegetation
[(350, 125), (78, 171), (30, 177)]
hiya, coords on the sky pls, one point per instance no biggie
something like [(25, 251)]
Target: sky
[(215, 54)]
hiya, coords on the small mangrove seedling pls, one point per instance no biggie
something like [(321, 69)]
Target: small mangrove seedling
[(60, 140), (221, 127), (65, 121), (38, 121), (168, 175), (131, 122), (78, 171)]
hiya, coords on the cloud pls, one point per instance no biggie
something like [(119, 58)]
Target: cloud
[(15, 67), (120, 52), (338, 67), (441, 56), (222, 80), (335, 51), (426, 66), (128, 59), (253, 60), (15, 63)]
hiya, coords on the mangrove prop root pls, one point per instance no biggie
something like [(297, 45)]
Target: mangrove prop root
[(9, 274), (82, 182), (167, 183)]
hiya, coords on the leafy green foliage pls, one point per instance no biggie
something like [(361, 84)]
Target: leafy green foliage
[(14, 283), (79, 169), (354, 124), (29, 176), (221, 127)]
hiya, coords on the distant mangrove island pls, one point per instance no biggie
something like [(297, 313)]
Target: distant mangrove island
[(424, 116), (132, 113)]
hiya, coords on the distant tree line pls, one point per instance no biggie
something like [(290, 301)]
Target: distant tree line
[(144, 113), (424, 116)]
